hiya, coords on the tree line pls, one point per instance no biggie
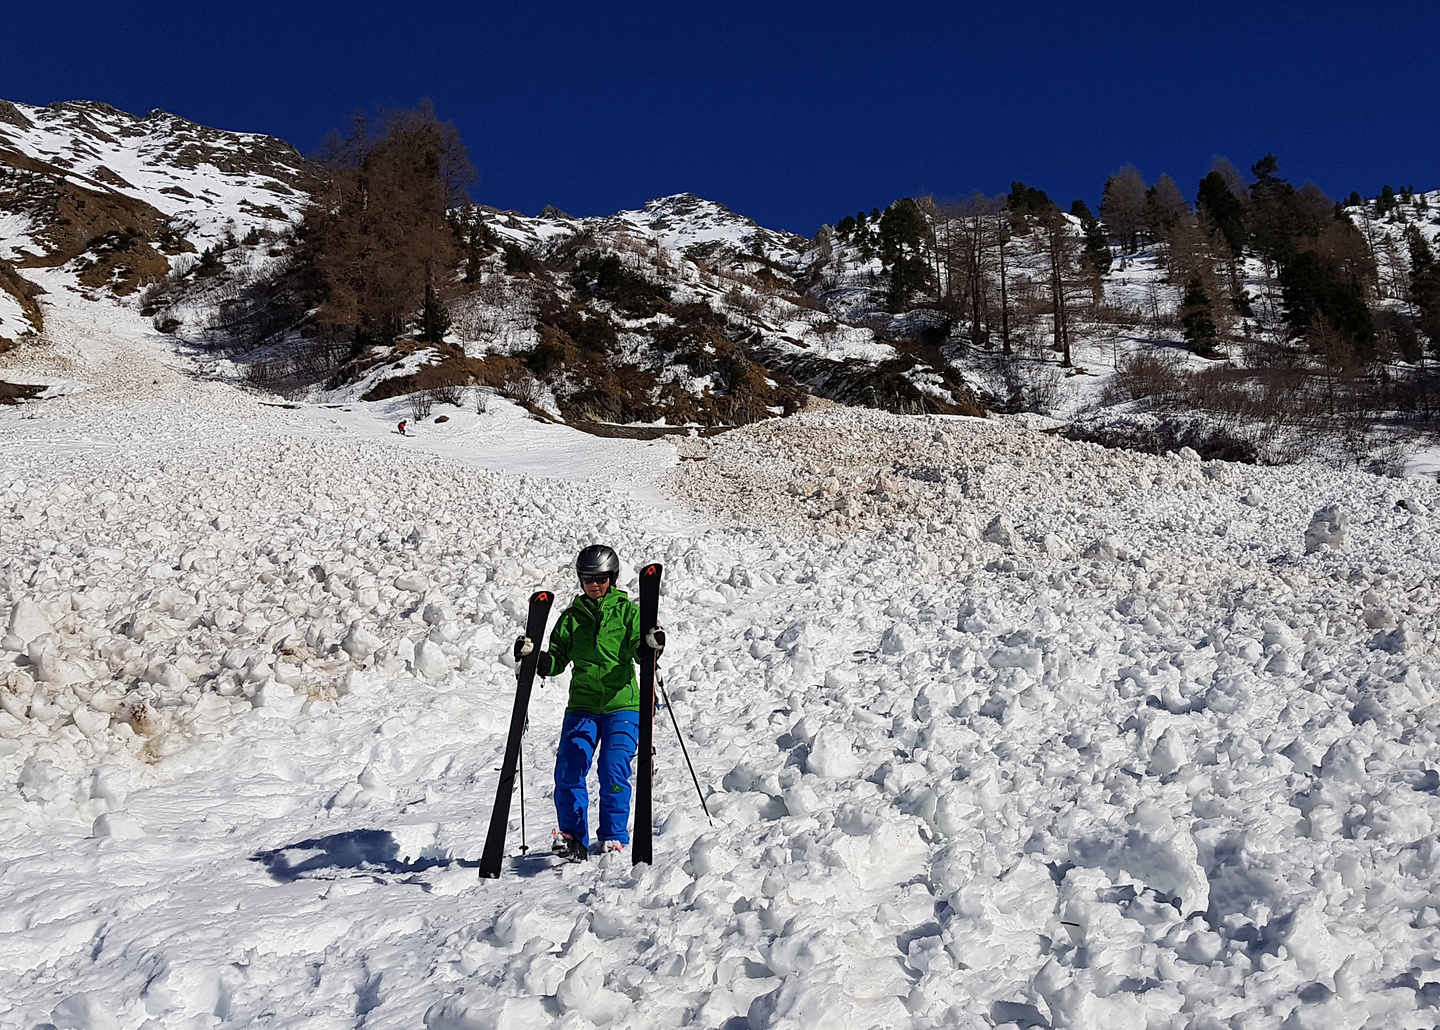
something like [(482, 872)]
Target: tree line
[(1324, 258)]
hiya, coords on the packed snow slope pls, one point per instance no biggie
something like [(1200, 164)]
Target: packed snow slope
[(997, 729)]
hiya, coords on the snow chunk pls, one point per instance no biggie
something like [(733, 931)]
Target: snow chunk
[(360, 643), (430, 661), (28, 621), (583, 993), (892, 852), (707, 856), (832, 754), (40, 780), (1329, 527), (84, 1012), (1168, 754), (119, 825), (800, 1001), (1107, 548), (1155, 851), (1310, 943), (898, 639), (1001, 531), (1056, 548), (483, 1011)]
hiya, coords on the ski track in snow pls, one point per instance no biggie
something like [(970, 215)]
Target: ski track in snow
[(998, 730)]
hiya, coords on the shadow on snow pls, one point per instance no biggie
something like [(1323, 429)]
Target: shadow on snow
[(354, 851)]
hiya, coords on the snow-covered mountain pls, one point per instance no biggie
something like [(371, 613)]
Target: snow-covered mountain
[(208, 183), (683, 223), (125, 201)]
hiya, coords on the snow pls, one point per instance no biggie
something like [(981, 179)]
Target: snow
[(13, 322), (997, 729), (15, 228)]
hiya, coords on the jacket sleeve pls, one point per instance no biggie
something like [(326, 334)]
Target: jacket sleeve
[(560, 642), (631, 646)]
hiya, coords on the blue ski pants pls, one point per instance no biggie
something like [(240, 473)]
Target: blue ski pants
[(618, 736)]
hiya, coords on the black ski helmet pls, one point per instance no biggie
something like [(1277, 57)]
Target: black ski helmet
[(598, 560)]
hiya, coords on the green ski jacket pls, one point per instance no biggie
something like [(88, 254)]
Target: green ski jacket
[(600, 638)]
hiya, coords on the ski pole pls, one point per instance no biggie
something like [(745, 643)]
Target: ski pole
[(683, 750), (521, 756)]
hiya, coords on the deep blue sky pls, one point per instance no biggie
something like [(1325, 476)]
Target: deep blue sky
[(792, 113)]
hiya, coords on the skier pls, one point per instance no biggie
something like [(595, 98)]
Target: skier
[(599, 635), (402, 427)]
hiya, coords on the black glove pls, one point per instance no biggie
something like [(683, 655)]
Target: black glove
[(523, 646), (655, 639), (542, 666)]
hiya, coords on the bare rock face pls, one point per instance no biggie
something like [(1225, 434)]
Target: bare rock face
[(1329, 527)]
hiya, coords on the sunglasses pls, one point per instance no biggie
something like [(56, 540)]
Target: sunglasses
[(594, 579)]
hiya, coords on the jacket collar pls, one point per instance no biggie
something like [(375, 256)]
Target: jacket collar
[(612, 597)]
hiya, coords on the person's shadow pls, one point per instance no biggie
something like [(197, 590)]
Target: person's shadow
[(354, 851)]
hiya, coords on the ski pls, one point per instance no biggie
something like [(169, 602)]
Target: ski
[(493, 854), (642, 841)]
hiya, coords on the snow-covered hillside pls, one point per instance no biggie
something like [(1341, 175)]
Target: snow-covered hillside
[(998, 730), (210, 183), (683, 222)]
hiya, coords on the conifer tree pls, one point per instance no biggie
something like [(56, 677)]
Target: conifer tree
[(1096, 257), (1197, 319), (1165, 206), (434, 319), (1315, 290), (1424, 287), (1218, 205), (902, 240)]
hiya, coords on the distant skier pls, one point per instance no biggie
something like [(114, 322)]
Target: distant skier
[(402, 427), (598, 634)]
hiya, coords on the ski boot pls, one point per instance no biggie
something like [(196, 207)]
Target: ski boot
[(567, 847)]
